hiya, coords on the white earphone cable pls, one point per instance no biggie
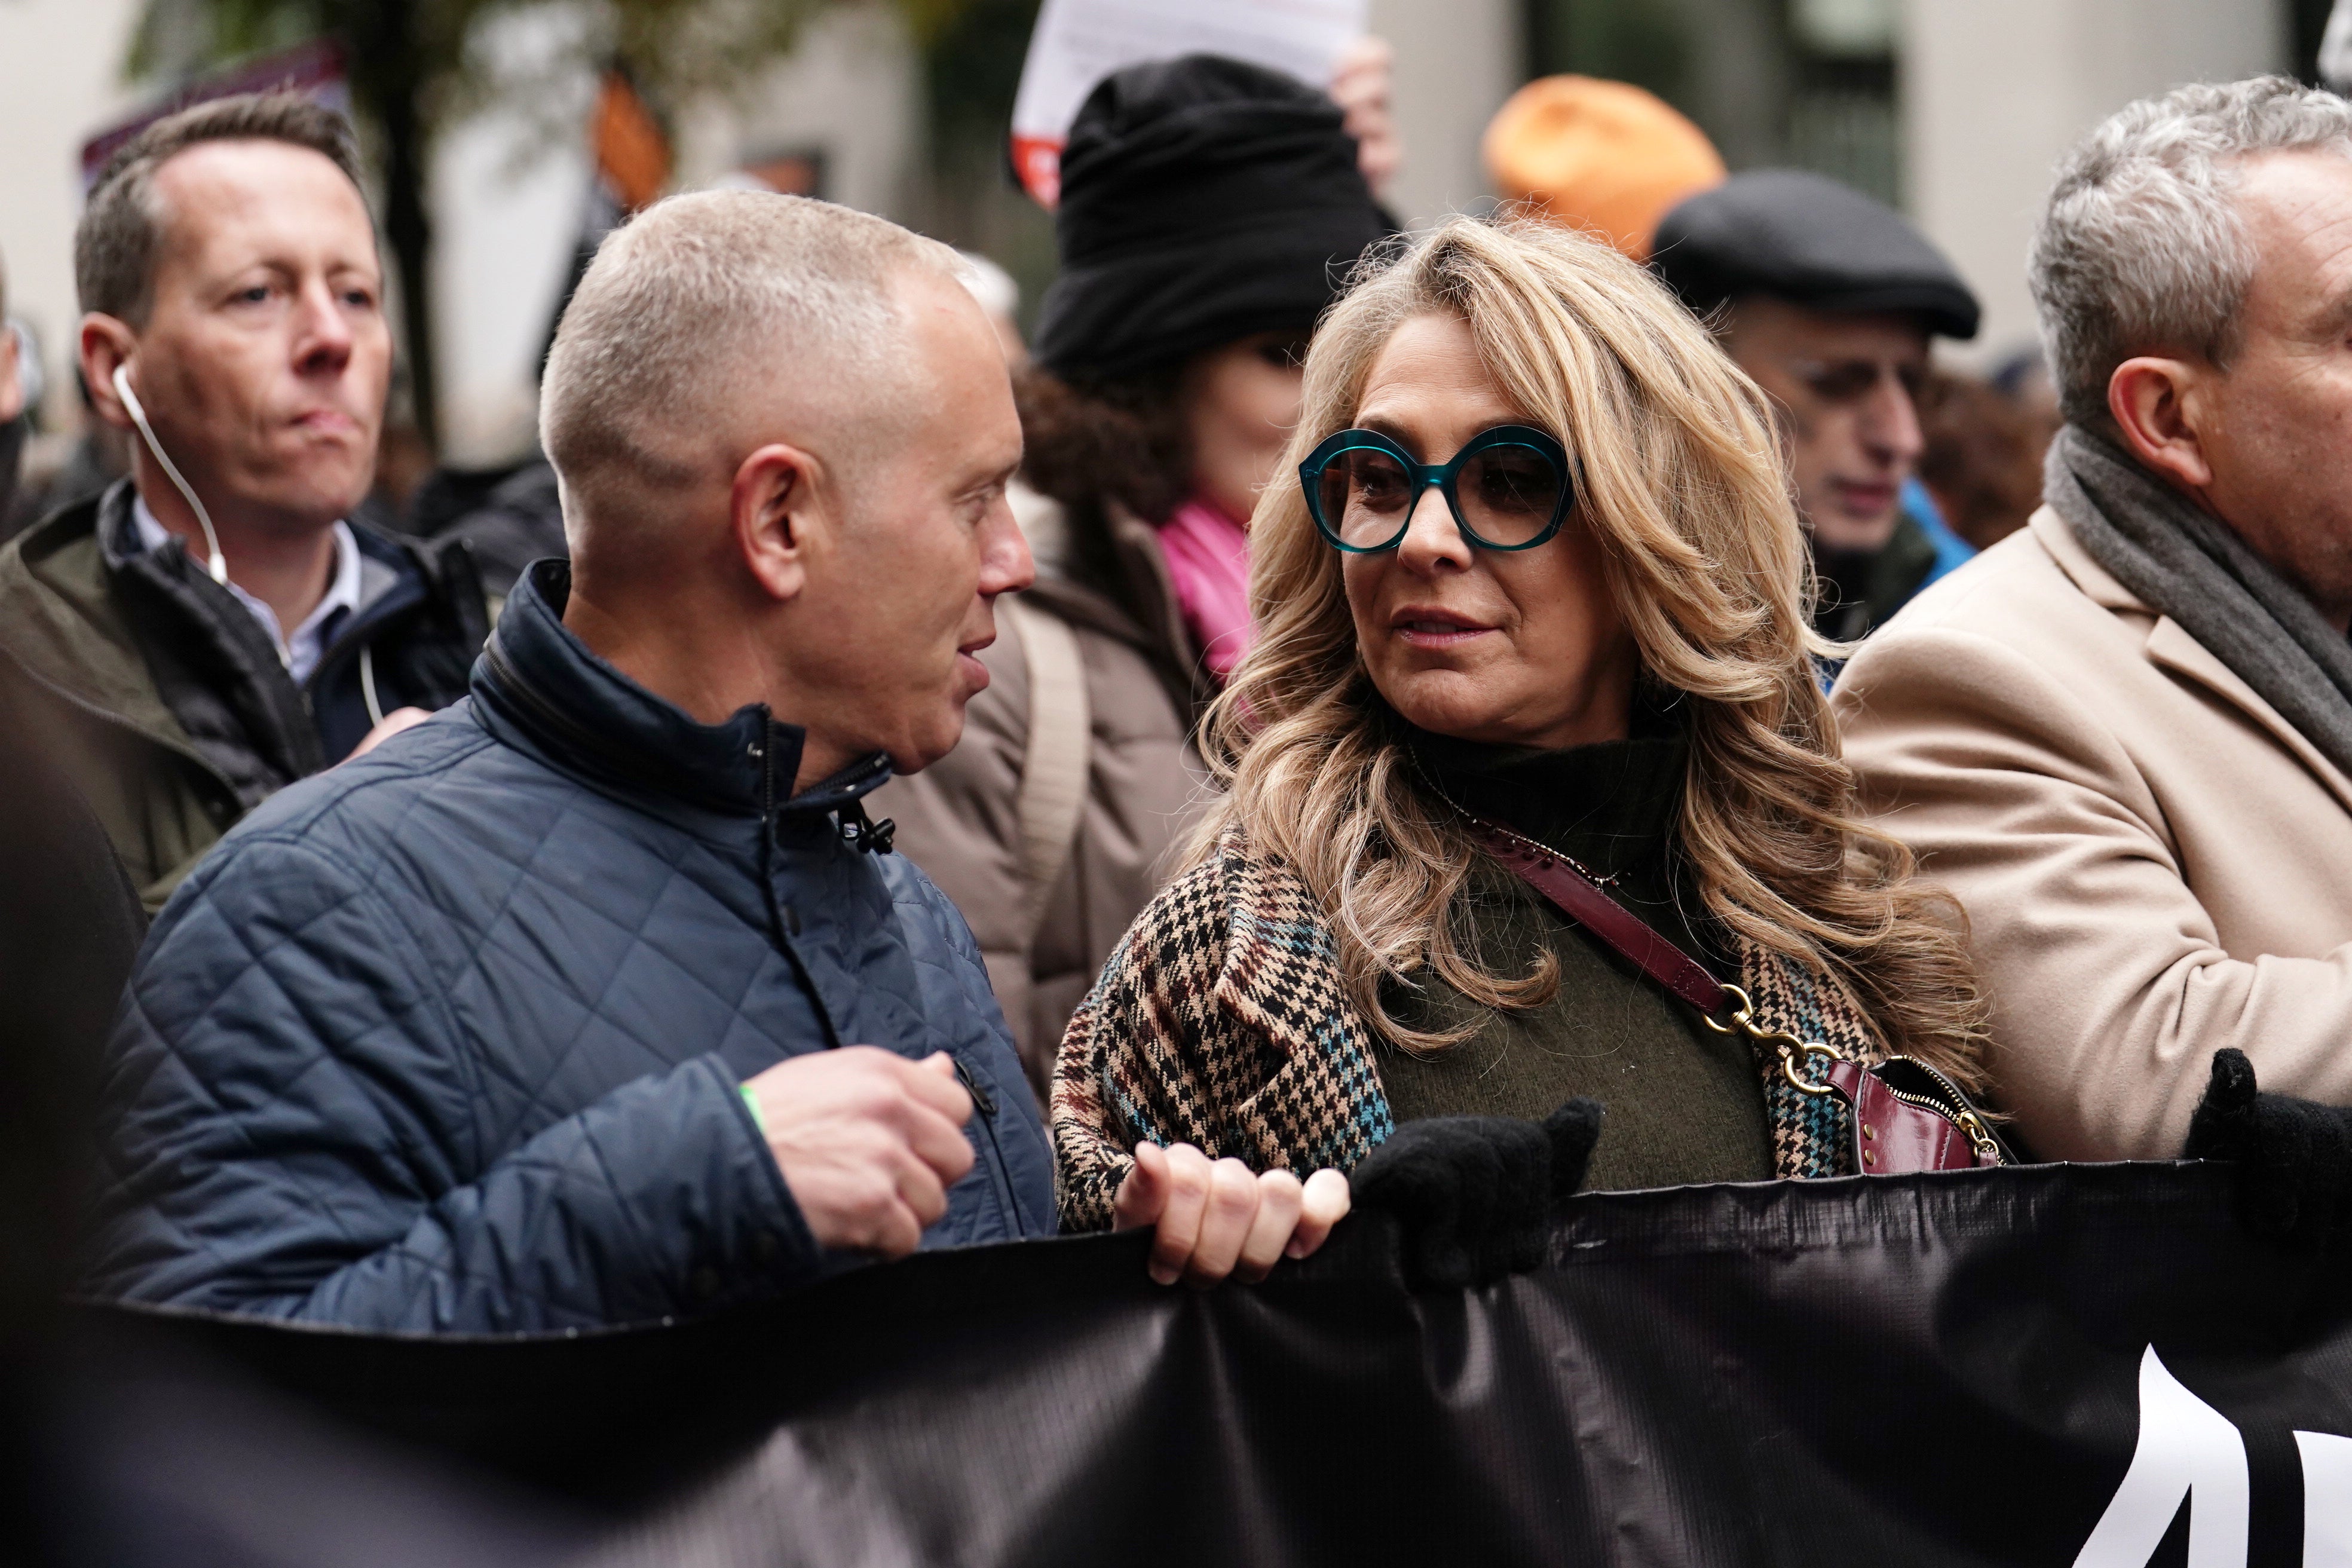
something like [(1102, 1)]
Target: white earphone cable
[(216, 563), (367, 683)]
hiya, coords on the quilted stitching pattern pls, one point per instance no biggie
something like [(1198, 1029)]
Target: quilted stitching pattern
[(447, 1039), (1220, 1021)]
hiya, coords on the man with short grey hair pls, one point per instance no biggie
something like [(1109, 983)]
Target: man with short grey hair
[(598, 998), (2123, 736)]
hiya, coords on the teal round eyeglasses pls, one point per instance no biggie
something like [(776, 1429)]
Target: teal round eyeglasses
[(1509, 488)]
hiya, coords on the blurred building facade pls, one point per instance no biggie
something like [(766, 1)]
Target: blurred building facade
[(1953, 109), (1993, 90)]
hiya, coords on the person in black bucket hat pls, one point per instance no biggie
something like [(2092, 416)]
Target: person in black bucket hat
[(1210, 211), (1203, 200), (1829, 298)]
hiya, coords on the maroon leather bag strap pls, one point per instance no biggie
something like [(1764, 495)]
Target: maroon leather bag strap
[(1631, 937), (1895, 1134)]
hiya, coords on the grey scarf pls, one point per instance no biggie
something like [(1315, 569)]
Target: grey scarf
[(2185, 562)]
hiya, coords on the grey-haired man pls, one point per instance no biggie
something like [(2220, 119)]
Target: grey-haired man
[(2123, 735)]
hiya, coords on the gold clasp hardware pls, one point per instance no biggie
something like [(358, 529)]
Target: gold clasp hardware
[(1743, 1022), (1980, 1138), (1743, 1015), (1793, 1049)]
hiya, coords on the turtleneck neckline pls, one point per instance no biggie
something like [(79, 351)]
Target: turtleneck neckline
[(1608, 803)]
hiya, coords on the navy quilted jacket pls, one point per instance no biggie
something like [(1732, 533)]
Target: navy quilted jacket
[(449, 1038)]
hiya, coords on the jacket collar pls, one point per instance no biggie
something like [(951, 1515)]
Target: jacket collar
[(368, 568), (1152, 589), (537, 677), (199, 637), (59, 618), (2171, 646), (1140, 609), (2099, 585)]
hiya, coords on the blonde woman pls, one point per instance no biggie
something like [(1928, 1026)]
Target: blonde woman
[(1540, 583)]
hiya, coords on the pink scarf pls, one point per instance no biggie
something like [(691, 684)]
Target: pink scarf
[(1208, 560)]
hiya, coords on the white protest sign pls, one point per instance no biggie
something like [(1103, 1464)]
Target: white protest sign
[(1080, 42)]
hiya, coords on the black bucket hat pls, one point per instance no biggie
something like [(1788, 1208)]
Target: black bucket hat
[(1798, 236), (1203, 200)]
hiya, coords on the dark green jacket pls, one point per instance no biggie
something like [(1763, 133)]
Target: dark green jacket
[(1684, 1104), (174, 715)]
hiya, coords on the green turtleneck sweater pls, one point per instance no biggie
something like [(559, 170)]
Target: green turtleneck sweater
[(1683, 1104)]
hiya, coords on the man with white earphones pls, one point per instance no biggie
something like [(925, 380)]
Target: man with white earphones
[(218, 625)]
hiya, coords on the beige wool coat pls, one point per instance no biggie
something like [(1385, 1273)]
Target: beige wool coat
[(2154, 863)]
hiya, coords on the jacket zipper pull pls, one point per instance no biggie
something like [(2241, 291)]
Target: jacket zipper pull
[(971, 1086)]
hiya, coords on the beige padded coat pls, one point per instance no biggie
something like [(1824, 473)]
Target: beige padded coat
[(2155, 864)]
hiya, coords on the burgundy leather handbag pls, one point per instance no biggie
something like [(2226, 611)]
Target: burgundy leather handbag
[(1906, 1116)]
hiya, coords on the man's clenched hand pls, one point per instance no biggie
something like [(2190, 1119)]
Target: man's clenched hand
[(868, 1141)]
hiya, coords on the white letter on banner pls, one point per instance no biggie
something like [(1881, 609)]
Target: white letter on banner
[(2326, 1499), (2187, 1448)]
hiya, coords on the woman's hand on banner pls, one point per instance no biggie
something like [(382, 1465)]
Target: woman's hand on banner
[(1216, 1218)]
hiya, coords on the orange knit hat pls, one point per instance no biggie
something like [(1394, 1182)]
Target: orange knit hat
[(1598, 154)]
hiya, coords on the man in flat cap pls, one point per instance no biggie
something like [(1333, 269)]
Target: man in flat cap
[(1829, 300)]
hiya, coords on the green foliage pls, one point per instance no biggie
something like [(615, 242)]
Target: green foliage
[(1639, 41), (973, 56)]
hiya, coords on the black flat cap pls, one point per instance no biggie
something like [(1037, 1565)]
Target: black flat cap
[(1203, 200), (1801, 238)]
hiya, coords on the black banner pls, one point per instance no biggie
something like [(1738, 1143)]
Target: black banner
[(2062, 1365)]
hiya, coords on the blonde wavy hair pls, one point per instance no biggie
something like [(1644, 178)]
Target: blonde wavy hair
[(1681, 481)]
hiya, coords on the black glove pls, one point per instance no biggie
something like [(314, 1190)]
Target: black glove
[(1472, 1193), (2294, 1156)]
